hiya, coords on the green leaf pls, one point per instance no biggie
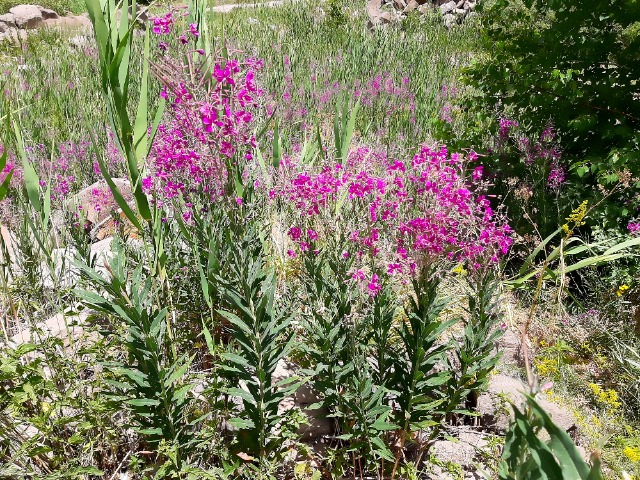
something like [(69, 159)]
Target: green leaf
[(31, 180), (143, 402), (240, 423), (277, 151)]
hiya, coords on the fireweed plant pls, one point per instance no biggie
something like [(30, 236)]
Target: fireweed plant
[(364, 226), (210, 132)]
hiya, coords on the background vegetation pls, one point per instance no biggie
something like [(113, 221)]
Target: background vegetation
[(166, 354)]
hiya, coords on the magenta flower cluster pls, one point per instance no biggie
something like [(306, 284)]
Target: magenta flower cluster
[(209, 126), (542, 151), (400, 213)]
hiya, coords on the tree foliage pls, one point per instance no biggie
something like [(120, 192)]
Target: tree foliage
[(576, 64)]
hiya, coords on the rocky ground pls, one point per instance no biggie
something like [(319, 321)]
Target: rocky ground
[(382, 12), (21, 18), (15, 24)]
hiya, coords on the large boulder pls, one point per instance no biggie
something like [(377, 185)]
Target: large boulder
[(319, 425), (96, 205), (378, 16), (69, 22), (26, 16), (496, 412), (448, 7), (7, 21)]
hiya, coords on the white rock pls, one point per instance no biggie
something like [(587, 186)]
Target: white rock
[(8, 243), (61, 326), (26, 16), (7, 21), (449, 20), (501, 387), (448, 7), (8, 18), (411, 6)]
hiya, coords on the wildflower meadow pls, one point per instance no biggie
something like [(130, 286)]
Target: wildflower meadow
[(320, 240)]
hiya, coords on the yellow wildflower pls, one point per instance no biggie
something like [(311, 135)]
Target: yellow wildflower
[(632, 453), (459, 270), (622, 289), (607, 398), (576, 217)]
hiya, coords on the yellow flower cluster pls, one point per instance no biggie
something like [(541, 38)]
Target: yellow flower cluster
[(632, 453), (607, 398), (459, 270), (547, 367), (576, 217), (622, 290)]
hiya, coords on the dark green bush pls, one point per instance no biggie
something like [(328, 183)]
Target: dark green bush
[(576, 65)]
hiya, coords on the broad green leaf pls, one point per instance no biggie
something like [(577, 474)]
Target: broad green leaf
[(31, 180)]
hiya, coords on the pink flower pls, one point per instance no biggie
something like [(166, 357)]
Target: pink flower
[(477, 172), (295, 233), (556, 176), (209, 115), (147, 182), (162, 25), (394, 268), (374, 286), (194, 29), (358, 275)]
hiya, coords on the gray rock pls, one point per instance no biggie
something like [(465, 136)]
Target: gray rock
[(411, 6), (496, 412), (7, 21), (96, 200), (469, 5), (59, 325), (376, 15), (509, 344), (9, 243), (460, 4), (449, 20), (26, 16), (448, 7), (461, 452), (48, 14), (460, 11), (15, 35), (71, 22)]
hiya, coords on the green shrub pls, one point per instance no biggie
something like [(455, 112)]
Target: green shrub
[(578, 67)]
